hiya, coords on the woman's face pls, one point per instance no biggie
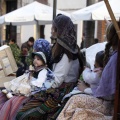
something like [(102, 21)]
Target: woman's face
[(53, 32), (37, 62)]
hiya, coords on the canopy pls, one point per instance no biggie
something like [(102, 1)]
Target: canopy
[(30, 14), (92, 51), (97, 11)]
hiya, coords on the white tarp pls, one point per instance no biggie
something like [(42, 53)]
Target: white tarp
[(29, 14), (91, 52), (97, 11)]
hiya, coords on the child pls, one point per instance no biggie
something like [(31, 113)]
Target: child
[(91, 78), (41, 79)]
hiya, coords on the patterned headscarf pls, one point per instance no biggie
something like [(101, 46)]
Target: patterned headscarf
[(42, 45), (66, 35)]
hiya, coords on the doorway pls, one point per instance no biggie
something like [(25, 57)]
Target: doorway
[(11, 5)]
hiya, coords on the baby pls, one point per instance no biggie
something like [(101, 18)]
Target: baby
[(41, 78)]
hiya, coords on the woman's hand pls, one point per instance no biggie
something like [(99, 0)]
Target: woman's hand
[(82, 86)]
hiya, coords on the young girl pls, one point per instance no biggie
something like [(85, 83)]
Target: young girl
[(91, 77), (41, 79)]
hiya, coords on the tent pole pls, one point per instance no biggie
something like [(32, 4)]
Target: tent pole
[(117, 93), (54, 8), (54, 13)]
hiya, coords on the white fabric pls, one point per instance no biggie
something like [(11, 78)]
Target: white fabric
[(65, 71), (97, 11), (73, 92), (88, 91), (91, 77), (29, 14), (23, 84), (41, 78), (19, 85), (91, 53)]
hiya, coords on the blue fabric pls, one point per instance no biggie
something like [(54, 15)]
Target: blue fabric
[(49, 80), (107, 83), (43, 46)]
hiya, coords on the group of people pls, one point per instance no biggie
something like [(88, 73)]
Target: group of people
[(56, 73), (22, 55)]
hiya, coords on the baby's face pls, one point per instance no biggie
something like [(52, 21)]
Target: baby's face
[(37, 61)]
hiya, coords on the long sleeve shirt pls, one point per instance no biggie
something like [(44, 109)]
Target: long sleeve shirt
[(65, 71)]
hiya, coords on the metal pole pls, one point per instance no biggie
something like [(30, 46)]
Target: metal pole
[(54, 8), (117, 92)]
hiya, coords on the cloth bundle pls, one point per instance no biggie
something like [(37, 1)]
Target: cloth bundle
[(19, 85)]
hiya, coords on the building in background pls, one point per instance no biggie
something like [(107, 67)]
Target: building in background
[(21, 34)]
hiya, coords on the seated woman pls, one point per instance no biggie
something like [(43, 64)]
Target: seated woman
[(66, 67), (100, 105)]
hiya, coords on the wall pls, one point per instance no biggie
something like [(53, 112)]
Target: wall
[(3, 28), (24, 31), (101, 31), (33, 29)]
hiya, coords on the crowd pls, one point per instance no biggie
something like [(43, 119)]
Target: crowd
[(56, 73)]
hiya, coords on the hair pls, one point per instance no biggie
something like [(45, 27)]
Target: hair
[(112, 38), (13, 40), (96, 40), (24, 46), (99, 58), (58, 50), (31, 39)]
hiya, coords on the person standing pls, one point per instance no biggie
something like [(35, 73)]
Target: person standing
[(16, 52)]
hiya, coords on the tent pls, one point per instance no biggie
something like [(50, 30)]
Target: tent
[(97, 11), (91, 52), (30, 14)]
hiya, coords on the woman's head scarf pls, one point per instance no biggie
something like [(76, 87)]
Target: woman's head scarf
[(66, 35)]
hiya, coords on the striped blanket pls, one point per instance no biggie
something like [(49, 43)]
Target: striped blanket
[(45, 105), (10, 107)]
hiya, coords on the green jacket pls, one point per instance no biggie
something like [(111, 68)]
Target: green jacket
[(16, 53)]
